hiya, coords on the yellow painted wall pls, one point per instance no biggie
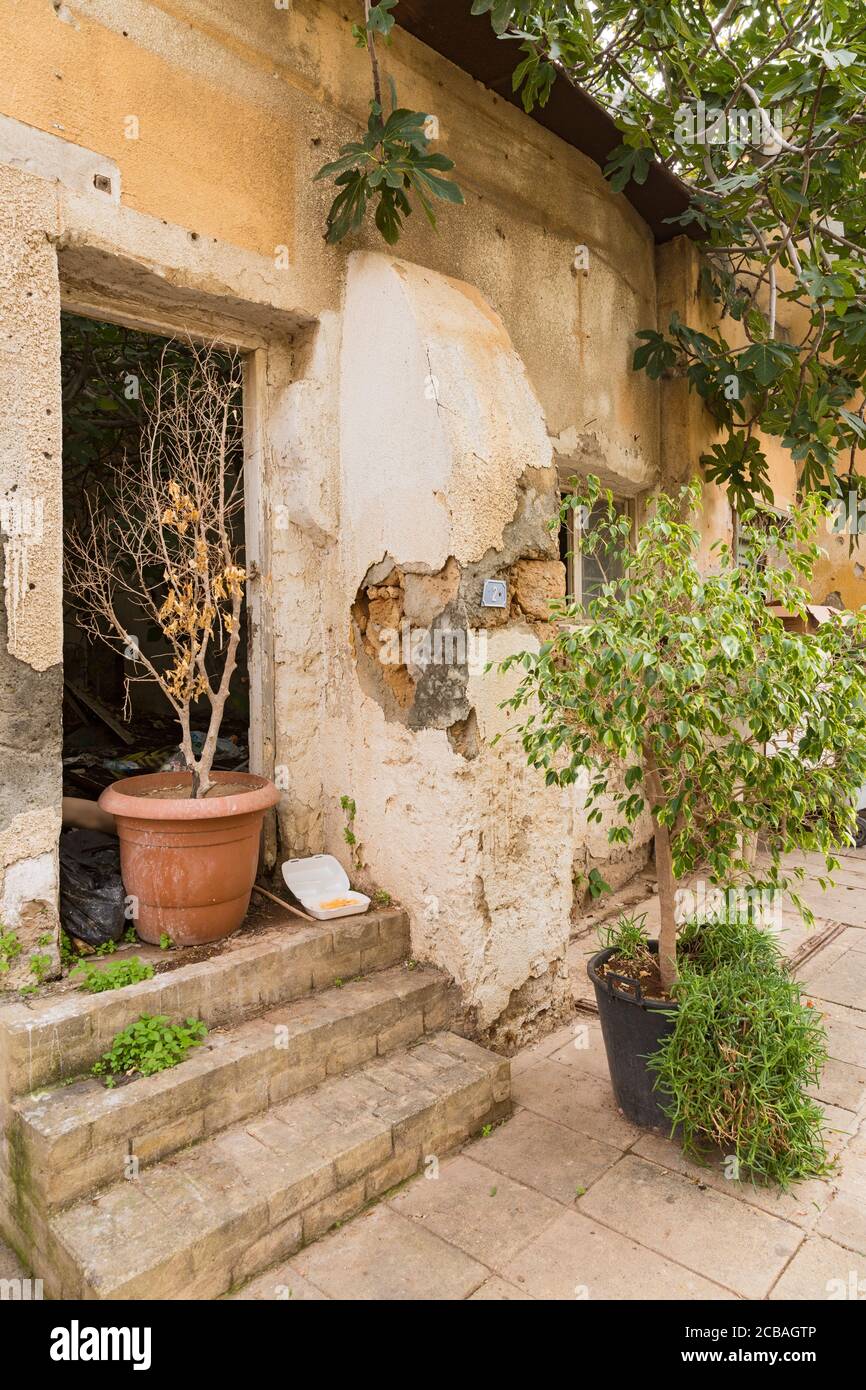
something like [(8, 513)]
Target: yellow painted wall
[(239, 103), (204, 157)]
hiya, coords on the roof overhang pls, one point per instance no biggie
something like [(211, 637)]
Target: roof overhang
[(468, 41)]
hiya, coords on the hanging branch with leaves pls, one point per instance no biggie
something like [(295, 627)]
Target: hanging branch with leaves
[(761, 111), (391, 161)]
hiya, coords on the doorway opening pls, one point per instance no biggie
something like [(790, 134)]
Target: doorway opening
[(116, 719)]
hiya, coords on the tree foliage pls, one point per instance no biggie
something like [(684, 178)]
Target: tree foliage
[(679, 692), (761, 111)]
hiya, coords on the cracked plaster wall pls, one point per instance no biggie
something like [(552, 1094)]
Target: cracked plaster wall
[(458, 471), (252, 99), (439, 490)]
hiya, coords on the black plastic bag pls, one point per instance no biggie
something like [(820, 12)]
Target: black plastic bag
[(92, 896)]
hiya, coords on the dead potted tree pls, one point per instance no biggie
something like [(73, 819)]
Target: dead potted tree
[(163, 541)]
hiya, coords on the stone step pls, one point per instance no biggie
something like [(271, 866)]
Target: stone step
[(199, 1224), (57, 1036), (75, 1139)]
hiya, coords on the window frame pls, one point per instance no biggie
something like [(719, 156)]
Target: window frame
[(782, 514), (572, 558)]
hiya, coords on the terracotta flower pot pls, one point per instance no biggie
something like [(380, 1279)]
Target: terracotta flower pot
[(190, 863)]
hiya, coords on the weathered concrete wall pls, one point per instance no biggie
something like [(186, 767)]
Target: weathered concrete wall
[(448, 479), (30, 533), (205, 123)]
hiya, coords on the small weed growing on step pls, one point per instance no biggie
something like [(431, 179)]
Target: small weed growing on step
[(596, 885), (338, 984), (39, 967), (349, 809), (68, 953), (165, 942), (381, 898), (411, 965), (130, 936), (493, 1191), (486, 1131), (149, 1045), (114, 976), (10, 949), (107, 948), (580, 1191)]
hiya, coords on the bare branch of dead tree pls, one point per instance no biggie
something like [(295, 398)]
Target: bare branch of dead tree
[(164, 542)]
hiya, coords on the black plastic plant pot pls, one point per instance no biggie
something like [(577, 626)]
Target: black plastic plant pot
[(633, 1028)]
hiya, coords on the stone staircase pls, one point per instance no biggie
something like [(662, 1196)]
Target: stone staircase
[(328, 1076)]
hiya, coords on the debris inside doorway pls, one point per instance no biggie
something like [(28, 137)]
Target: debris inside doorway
[(92, 897)]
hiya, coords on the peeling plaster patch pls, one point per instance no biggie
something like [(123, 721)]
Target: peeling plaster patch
[(377, 614), (425, 596), (463, 736), (567, 441), (536, 1007), (28, 901), (623, 470), (377, 574), (27, 879), (64, 14), (31, 833), (412, 669), (415, 633), (51, 157), (526, 539)]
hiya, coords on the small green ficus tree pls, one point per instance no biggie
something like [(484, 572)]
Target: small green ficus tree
[(679, 692)]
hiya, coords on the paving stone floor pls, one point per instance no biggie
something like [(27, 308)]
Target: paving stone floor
[(567, 1200)]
